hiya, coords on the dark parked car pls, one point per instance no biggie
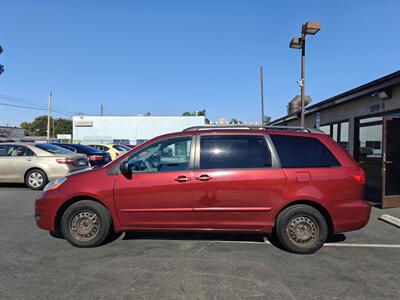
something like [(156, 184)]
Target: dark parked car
[(301, 186), (96, 157)]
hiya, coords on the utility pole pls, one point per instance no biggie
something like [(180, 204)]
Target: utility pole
[(101, 109), (1, 66), (48, 118), (54, 129), (262, 95)]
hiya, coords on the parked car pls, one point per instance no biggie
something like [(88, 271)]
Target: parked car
[(36, 164), (131, 146), (115, 150), (301, 186), (96, 157)]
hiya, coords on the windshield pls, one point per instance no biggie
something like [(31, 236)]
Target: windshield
[(53, 149), (121, 148), (86, 149)]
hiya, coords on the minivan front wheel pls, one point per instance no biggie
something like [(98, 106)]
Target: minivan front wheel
[(86, 223), (301, 229)]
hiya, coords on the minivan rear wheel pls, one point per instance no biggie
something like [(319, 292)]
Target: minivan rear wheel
[(86, 223), (36, 179), (301, 229)]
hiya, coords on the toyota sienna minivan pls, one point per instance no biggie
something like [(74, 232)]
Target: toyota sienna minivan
[(295, 183)]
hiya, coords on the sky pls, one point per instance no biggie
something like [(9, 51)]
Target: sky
[(168, 57)]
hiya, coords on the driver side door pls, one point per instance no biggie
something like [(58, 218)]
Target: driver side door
[(159, 194)]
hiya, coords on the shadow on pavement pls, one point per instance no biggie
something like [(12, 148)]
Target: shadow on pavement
[(193, 236), (336, 238), (13, 185)]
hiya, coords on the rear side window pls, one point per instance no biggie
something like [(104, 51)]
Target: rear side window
[(234, 152), (303, 152), (53, 149)]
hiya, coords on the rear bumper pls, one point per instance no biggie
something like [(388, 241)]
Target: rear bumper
[(45, 209), (349, 215), (62, 170)]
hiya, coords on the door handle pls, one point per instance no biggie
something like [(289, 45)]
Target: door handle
[(203, 177), (182, 178), (389, 162)]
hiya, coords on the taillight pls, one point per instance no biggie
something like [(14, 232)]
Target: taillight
[(65, 161), (360, 177), (96, 157)]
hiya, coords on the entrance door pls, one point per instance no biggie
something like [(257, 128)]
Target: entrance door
[(391, 162)]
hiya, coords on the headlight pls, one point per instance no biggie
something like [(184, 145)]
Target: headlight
[(52, 185)]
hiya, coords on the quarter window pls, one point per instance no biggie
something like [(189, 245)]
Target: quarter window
[(303, 152), (234, 152), (168, 155)]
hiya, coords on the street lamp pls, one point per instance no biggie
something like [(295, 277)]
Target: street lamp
[(309, 28)]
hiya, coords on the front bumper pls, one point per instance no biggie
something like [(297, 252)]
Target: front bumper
[(46, 209), (349, 215)]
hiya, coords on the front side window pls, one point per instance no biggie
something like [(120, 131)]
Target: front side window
[(303, 152), (3, 150), (234, 152), (167, 155)]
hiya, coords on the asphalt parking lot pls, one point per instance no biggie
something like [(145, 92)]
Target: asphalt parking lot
[(357, 265)]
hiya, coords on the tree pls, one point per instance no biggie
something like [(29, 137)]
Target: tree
[(235, 121), (62, 126), (197, 113), (27, 126), (267, 119), (39, 126)]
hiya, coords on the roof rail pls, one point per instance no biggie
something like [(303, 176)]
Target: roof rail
[(254, 127)]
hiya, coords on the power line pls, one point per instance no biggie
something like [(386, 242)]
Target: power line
[(32, 102), (107, 111), (31, 107), (58, 109)]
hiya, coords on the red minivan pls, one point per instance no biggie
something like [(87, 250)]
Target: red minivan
[(295, 183)]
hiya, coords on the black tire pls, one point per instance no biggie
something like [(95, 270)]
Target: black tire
[(36, 179), (86, 223), (301, 229)]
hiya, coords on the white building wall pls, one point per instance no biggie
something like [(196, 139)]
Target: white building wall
[(105, 129)]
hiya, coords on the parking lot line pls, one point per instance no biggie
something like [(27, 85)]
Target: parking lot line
[(352, 245), (361, 245), (266, 242)]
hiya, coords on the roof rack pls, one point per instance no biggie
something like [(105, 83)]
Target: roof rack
[(254, 127)]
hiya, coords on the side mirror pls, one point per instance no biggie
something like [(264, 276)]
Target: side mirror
[(125, 170)]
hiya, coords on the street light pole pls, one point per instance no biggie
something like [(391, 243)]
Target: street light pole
[(303, 64), (309, 28)]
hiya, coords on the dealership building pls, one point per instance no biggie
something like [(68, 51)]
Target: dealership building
[(11, 133), (128, 129), (366, 122)]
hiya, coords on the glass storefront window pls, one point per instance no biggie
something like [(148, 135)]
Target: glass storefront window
[(369, 120), (326, 129), (343, 139), (369, 156), (371, 141), (335, 132)]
